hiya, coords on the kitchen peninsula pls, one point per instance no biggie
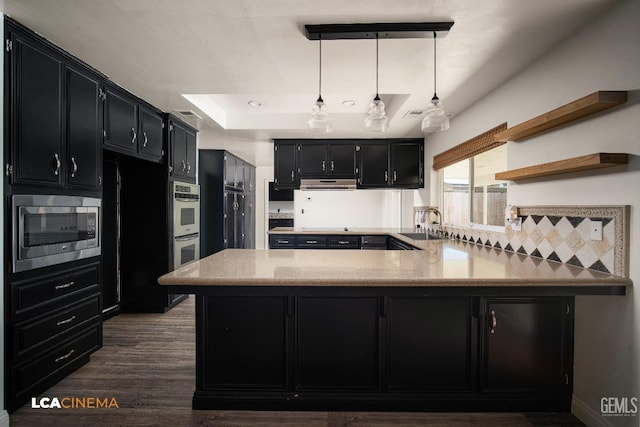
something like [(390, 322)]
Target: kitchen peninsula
[(453, 326)]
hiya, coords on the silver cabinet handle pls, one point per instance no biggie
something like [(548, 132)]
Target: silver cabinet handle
[(75, 167), (312, 241), (282, 242), (292, 176), (188, 167), (395, 176), (57, 159), (332, 166), (183, 165), (66, 285), (494, 322), (144, 144), (133, 136), (386, 176), (343, 242), (65, 321), (324, 165), (66, 356)]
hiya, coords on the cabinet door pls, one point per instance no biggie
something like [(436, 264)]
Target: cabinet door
[(246, 343), (150, 138), (239, 220), (178, 151), (342, 160), (36, 103), (285, 166), (249, 178), (527, 345), (406, 165), (84, 158), (249, 221), (374, 165), (190, 155), (120, 122), (230, 208), (337, 342), (431, 344), (240, 174), (312, 160), (230, 165)]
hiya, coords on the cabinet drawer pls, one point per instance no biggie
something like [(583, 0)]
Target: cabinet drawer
[(27, 377), (51, 289), (375, 242), (344, 242), (28, 335), (281, 242), (319, 242)]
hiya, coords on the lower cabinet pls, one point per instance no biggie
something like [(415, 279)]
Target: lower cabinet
[(431, 344), (337, 343), (53, 324), (382, 349), (528, 345)]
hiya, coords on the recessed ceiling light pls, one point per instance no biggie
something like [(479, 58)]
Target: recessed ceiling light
[(255, 104), (349, 103)]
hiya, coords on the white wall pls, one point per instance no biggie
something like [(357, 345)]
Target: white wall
[(605, 55), (352, 209)]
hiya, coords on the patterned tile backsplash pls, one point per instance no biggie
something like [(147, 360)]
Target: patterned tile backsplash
[(562, 234)]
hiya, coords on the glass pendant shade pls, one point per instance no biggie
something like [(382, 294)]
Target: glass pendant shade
[(319, 121), (376, 120), (435, 120)]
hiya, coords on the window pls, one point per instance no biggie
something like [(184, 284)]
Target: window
[(470, 193)]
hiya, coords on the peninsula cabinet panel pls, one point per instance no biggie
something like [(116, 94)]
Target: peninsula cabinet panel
[(528, 345), (431, 344), (246, 342), (337, 343)]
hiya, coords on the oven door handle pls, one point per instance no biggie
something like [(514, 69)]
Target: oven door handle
[(186, 238), (180, 199)]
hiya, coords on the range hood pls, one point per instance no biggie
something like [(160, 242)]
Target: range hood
[(327, 184)]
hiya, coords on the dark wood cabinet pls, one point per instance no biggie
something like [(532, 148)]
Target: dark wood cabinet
[(406, 164), (431, 344), (150, 140), (247, 342), (528, 345), (312, 159), (83, 131), (285, 166), (37, 104), (342, 160), (131, 127), (374, 165), (54, 109), (337, 343), (182, 146)]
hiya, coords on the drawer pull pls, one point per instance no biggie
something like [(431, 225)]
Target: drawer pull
[(66, 356), (65, 321), (343, 242), (312, 242), (66, 285), (282, 242)]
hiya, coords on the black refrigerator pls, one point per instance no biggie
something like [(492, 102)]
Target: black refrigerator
[(227, 202)]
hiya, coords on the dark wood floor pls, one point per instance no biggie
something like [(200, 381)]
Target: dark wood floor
[(147, 363)]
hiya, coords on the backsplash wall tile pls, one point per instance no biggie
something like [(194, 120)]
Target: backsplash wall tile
[(562, 234)]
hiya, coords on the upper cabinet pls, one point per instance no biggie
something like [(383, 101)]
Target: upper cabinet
[(54, 113), (131, 127), (182, 146), (377, 163)]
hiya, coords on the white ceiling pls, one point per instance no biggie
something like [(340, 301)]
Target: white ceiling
[(232, 52)]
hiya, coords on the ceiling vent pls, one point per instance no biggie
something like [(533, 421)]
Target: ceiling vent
[(188, 114), (414, 114)]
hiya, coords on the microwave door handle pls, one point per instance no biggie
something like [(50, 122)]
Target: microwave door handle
[(186, 239)]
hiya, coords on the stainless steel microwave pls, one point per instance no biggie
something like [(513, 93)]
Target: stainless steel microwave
[(52, 229)]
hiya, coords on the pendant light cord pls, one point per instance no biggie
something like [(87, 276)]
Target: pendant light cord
[(435, 96), (320, 70), (377, 96)]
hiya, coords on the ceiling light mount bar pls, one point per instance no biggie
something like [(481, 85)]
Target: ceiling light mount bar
[(391, 30)]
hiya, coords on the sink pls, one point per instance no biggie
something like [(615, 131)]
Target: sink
[(422, 236)]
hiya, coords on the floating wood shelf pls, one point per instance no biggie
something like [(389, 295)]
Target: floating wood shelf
[(575, 110), (575, 164)]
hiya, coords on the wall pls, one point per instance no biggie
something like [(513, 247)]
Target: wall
[(604, 55)]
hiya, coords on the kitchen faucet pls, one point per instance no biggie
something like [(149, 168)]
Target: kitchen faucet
[(439, 215)]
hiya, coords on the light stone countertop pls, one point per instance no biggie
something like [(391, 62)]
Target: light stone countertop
[(440, 263)]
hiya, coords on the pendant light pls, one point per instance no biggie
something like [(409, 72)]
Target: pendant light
[(319, 121), (376, 120), (435, 120)]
